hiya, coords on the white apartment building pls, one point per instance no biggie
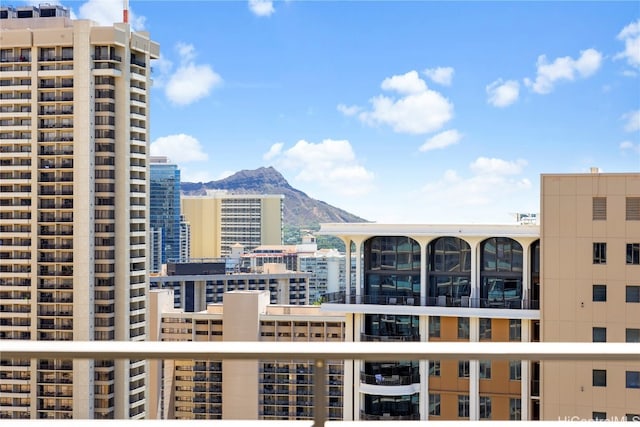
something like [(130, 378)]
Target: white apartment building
[(73, 208)]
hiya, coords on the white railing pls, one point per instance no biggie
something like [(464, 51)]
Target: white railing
[(320, 352)]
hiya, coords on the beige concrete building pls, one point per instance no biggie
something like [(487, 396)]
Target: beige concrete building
[(220, 220), (591, 291), (73, 208), (237, 389)]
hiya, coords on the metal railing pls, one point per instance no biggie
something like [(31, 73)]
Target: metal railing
[(321, 352)]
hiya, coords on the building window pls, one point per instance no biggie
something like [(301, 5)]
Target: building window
[(463, 328), (599, 416), (514, 409), (485, 369), (633, 209), (463, 406), (599, 253), (599, 335), (599, 293), (434, 404), (515, 328), (515, 370), (434, 368), (599, 208), (633, 293), (434, 326), (633, 379), (632, 335), (633, 253), (463, 369), (485, 328), (599, 378), (485, 408)]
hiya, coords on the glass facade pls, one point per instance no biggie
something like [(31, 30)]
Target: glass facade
[(449, 271), (501, 273), (164, 209)]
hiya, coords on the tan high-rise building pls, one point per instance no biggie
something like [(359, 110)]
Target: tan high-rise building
[(590, 277), (74, 136), (220, 220)]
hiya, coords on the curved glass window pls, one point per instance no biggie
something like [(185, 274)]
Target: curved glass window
[(449, 271), (501, 273), (391, 270), (391, 373)]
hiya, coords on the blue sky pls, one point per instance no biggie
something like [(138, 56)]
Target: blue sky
[(407, 112)]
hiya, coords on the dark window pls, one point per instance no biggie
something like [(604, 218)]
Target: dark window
[(434, 326), (599, 208), (599, 253), (434, 368), (463, 327), (633, 293), (633, 379), (515, 370), (599, 335), (485, 328), (434, 404), (599, 378), (633, 209), (599, 293), (463, 406), (633, 253), (485, 407), (632, 335), (485, 369), (463, 369), (599, 416), (515, 327), (514, 409)]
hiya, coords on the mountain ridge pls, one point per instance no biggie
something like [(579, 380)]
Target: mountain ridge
[(299, 210)]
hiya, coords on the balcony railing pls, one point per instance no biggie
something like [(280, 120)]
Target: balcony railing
[(440, 301), (320, 352)]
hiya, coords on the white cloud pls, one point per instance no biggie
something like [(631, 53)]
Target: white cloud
[(420, 110), (348, 110), (106, 12), (180, 148), (629, 146), (493, 166), (489, 188), (630, 35), (632, 121), (502, 94), (261, 7), (190, 82), (440, 75), (442, 140), (327, 165), (274, 151), (564, 68)]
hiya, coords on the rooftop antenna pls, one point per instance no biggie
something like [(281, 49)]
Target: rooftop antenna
[(125, 11)]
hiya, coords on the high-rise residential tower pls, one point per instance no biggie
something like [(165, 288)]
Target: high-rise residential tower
[(74, 135), (164, 212)]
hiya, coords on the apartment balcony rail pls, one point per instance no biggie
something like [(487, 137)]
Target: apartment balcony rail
[(439, 301), (389, 379), (320, 352)]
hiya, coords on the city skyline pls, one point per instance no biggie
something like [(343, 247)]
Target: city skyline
[(462, 105)]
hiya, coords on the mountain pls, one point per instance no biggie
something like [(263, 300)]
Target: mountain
[(300, 210)]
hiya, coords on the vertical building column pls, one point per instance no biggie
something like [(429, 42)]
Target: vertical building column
[(424, 371), (358, 320), (475, 273), (358, 272), (474, 373), (349, 372), (526, 276), (525, 380), (347, 270), (423, 275)]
